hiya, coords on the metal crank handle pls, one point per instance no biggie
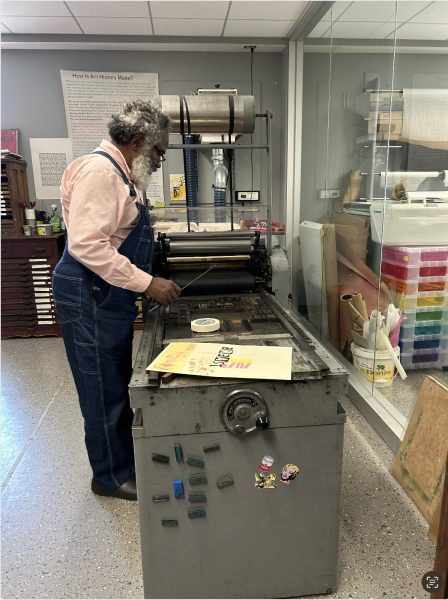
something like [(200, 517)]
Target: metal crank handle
[(185, 286)]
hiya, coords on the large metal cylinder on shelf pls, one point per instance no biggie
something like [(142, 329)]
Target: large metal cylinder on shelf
[(210, 113)]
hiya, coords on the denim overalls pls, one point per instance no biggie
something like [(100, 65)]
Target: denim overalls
[(97, 326)]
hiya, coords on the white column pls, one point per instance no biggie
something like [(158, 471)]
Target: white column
[(293, 160)]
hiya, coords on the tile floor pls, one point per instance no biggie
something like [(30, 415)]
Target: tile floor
[(61, 541)]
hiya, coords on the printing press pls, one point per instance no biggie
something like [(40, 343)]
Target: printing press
[(214, 523)]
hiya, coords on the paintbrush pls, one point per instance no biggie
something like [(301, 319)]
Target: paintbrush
[(185, 286)]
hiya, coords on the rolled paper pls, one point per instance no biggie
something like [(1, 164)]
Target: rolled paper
[(356, 319), (352, 188), (345, 301), (360, 304)]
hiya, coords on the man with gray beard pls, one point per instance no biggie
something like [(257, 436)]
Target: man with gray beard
[(103, 271)]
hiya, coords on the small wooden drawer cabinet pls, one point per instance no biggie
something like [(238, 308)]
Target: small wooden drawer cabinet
[(27, 299)]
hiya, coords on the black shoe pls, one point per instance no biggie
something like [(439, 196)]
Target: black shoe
[(127, 491)]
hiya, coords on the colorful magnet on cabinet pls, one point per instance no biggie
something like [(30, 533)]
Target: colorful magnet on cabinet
[(178, 488), (195, 462), (212, 448), (197, 498), (163, 498), (178, 452), (197, 480), (160, 458), (196, 514), (263, 481), (224, 482), (289, 472), (266, 463), (170, 522)]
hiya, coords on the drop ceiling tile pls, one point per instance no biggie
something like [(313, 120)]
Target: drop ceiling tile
[(351, 30), (201, 27), (258, 28), (277, 11), (41, 24), (436, 12), (320, 29), (4, 29), (43, 8), (369, 11), (84, 8), (115, 26), (417, 31), (189, 10), (407, 10), (336, 10), (384, 31)]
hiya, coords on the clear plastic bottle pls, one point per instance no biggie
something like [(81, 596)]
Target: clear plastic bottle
[(55, 219)]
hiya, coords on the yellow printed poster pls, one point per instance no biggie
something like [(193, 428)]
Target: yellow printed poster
[(222, 360), (177, 188)]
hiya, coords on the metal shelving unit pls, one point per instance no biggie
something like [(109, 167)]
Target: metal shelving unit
[(267, 146)]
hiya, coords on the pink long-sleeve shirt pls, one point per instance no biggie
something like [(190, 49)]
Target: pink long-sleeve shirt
[(99, 214)]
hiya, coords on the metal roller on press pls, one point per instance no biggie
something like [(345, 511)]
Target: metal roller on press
[(214, 113)]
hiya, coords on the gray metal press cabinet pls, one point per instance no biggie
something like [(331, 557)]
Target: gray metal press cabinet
[(260, 464)]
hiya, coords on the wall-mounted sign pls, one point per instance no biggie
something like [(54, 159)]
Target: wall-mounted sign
[(10, 140)]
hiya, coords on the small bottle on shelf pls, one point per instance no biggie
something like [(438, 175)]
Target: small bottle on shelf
[(55, 219)]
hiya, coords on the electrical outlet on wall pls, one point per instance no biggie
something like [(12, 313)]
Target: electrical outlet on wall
[(328, 194)]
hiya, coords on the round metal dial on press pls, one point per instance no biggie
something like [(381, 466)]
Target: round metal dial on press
[(243, 411)]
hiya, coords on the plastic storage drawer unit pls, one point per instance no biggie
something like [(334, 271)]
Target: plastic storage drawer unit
[(405, 273), (409, 332), (423, 342), (425, 359), (420, 300), (413, 255), (425, 313), (411, 288)]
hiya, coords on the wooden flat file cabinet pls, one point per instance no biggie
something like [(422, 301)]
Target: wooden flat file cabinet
[(27, 299), (14, 190)]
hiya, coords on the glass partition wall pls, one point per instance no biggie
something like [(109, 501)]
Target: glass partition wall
[(374, 197)]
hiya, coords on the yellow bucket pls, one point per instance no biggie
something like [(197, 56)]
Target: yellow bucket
[(376, 366)]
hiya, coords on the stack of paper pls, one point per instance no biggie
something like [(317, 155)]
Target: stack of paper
[(8, 154)]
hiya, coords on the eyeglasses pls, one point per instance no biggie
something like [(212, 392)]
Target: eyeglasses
[(161, 155)]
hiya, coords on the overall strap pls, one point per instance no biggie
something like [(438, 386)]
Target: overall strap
[(132, 191)]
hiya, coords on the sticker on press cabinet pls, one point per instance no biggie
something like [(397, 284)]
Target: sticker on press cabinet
[(289, 472), (266, 463), (263, 481)]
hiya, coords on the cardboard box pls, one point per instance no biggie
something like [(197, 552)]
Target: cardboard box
[(355, 230)]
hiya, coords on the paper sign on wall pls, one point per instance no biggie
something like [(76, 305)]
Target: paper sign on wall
[(90, 99), (222, 360), (50, 158), (177, 188)]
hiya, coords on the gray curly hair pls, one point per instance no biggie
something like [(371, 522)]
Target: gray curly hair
[(139, 116)]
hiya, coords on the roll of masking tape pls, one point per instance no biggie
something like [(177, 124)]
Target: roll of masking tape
[(206, 325)]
